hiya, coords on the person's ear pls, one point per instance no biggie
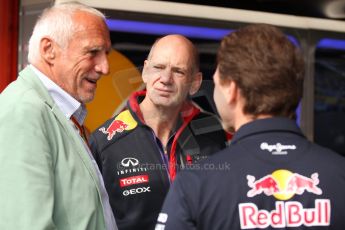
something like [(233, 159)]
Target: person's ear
[(144, 72), (196, 83), (229, 91), (48, 50), (232, 92)]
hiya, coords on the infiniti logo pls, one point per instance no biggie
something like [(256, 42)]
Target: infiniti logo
[(126, 162)]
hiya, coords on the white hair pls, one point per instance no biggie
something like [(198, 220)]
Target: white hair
[(57, 23)]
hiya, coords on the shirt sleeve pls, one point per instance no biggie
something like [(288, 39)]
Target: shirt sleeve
[(176, 212)]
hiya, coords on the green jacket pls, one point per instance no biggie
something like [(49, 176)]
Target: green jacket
[(47, 180)]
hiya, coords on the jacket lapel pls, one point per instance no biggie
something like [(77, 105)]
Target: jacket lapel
[(79, 147), (31, 79)]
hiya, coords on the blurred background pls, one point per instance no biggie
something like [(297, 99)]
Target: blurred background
[(317, 27)]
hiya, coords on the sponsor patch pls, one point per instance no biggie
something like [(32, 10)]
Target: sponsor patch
[(124, 121), (134, 191), (285, 214), (283, 184), (133, 180), (129, 165), (163, 217), (129, 161), (277, 149)]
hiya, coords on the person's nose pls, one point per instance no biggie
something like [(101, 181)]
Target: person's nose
[(166, 76), (102, 65)]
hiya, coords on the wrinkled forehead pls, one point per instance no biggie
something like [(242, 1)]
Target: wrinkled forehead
[(90, 28), (86, 20), (174, 53)]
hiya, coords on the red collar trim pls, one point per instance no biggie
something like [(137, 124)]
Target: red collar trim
[(188, 112), (134, 105)]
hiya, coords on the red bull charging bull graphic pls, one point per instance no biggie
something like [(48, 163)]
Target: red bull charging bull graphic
[(283, 185), (267, 185), (124, 121), (116, 126), (299, 184)]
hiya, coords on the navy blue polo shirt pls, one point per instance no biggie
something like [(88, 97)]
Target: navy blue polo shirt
[(270, 177)]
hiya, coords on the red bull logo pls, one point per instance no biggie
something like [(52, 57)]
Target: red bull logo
[(285, 214), (267, 185), (283, 185), (116, 126), (298, 184)]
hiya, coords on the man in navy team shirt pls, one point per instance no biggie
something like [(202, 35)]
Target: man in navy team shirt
[(276, 178)]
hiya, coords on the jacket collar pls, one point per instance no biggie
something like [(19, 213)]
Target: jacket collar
[(275, 124), (188, 111), (30, 78)]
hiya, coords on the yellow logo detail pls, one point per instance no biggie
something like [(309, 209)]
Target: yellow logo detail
[(282, 177), (128, 119)]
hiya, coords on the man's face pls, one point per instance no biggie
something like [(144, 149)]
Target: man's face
[(80, 65), (168, 74), (221, 99)]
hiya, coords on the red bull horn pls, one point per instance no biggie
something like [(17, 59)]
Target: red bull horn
[(116, 126), (267, 185)]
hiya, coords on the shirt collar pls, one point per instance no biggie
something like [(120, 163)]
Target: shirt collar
[(259, 126), (67, 104)]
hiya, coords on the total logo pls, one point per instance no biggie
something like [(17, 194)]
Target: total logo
[(128, 181), (283, 185)]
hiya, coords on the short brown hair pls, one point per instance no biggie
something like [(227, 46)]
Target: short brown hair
[(266, 66)]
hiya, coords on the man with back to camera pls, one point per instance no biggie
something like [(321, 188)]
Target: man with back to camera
[(48, 177), (277, 178), (141, 149)]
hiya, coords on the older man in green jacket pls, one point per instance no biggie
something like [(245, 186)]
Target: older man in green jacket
[(48, 177)]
